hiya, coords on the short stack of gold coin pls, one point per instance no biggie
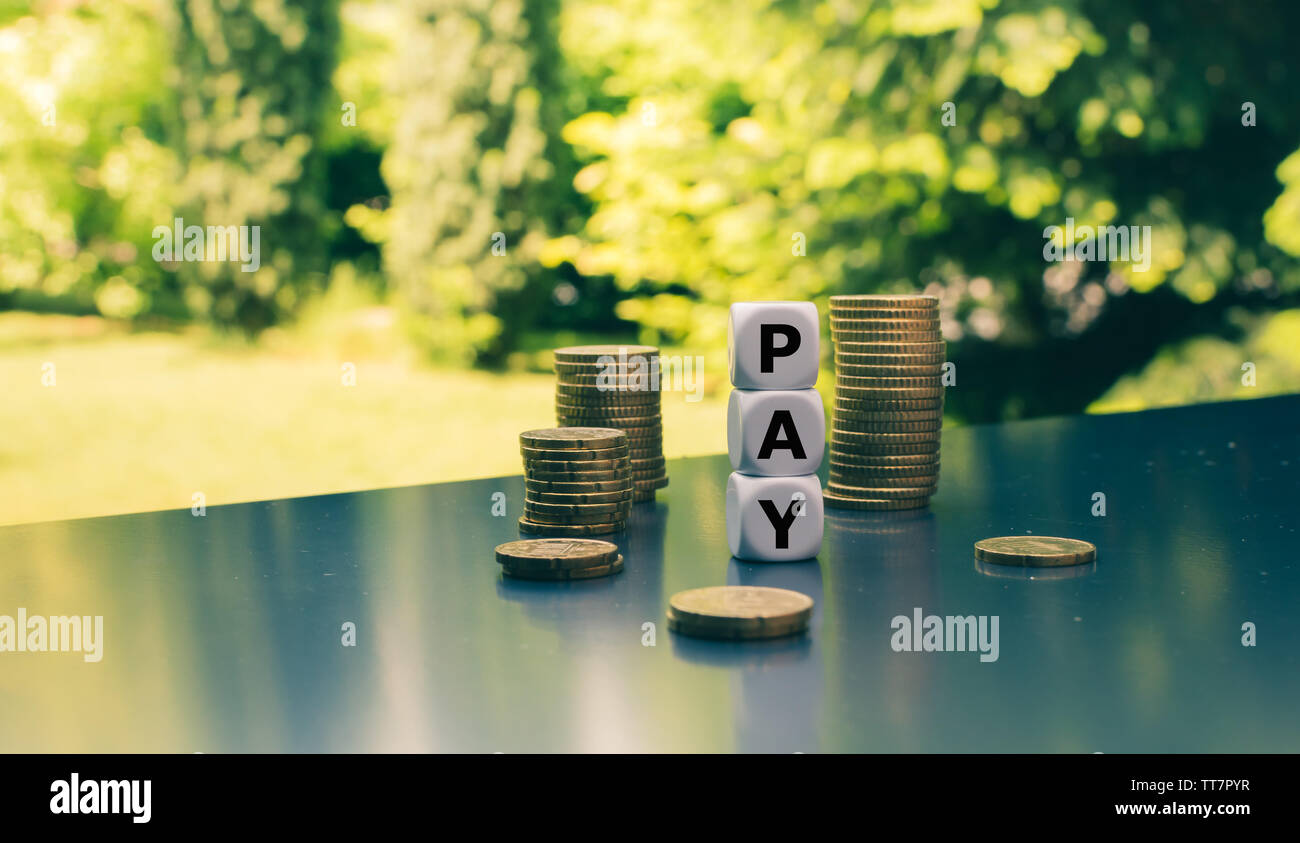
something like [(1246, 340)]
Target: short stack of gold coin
[(576, 481), (616, 386), (888, 412)]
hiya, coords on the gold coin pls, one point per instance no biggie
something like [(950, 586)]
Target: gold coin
[(871, 325), (853, 437), (623, 400), (1035, 551), (577, 476), (884, 312), (928, 358), (565, 414), (739, 612), (881, 393), (573, 454), (579, 497), (557, 553), (881, 492), (843, 381), (574, 508), (722, 631), (854, 370), (573, 437), (934, 414), (839, 502), (859, 426), (590, 572), (839, 479), (532, 484), (533, 467), (867, 453), (581, 353), (857, 337), (887, 405), (612, 385), (893, 348), (884, 300), (918, 469), (536, 529), (557, 520), (859, 470)]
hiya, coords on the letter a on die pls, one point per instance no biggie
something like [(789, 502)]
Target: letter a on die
[(775, 432), (773, 344)]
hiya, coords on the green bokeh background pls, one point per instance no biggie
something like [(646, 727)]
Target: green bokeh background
[(449, 188)]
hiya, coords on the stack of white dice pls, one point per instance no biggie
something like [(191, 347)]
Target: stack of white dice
[(776, 432)]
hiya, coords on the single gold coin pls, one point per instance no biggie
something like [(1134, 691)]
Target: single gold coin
[(924, 358), (860, 426), (537, 467), (846, 381), (846, 346), (579, 497), (526, 526), (931, 415), (557, 553), (573, 437), (582, 353), (739, 612), (850, 324), (857, 370), (1035, 551), (884, 300), (571, 454), (840, 478), (840, 502), (581, 486), (896, 337), (565, 414), (883, 492), (886, 393), (883, 312), (568, 508), (904, 472), (526, 572), (854, 437), (887, 405), (614, 385)]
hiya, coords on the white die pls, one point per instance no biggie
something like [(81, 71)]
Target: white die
[(780, 336), (764, 523), (776, 432)]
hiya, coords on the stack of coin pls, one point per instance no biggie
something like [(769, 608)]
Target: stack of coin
[(889, 355), (559, 559), (739, 612), (616, 386), (577, 481)]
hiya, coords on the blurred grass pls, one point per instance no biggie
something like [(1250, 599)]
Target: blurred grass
[(142, 421)]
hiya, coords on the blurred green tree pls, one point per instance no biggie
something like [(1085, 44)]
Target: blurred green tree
[(253, 84), (85, 172), (803, 148), (478, 174)]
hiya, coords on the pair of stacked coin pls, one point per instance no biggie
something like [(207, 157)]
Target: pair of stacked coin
[(739, 612), (888, 412), (577, 481), (559, 559), (616, 386)]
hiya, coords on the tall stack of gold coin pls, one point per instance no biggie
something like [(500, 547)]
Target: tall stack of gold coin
[(885, 425), (616, 386)]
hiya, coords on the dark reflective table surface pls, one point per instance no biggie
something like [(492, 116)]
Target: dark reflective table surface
[(223, 633)]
